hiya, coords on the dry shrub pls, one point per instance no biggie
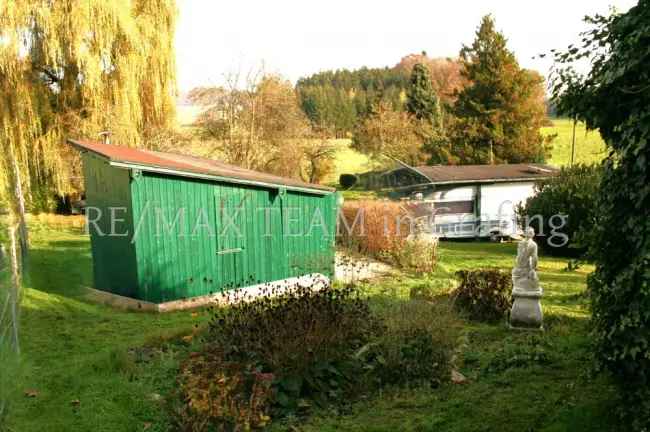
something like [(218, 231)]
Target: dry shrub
[(382, 231), (232, 396), (268, 356), (280, 355), (288, 332), (376, 231), (417, 254)]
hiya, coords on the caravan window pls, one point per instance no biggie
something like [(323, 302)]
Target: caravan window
[(454, 207)]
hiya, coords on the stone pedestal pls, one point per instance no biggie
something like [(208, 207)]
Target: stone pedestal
[(526, 310)]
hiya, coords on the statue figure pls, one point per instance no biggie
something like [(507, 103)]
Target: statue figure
[(524, 275), (526, 310)]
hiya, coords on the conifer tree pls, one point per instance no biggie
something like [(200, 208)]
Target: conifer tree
[(501, 110), (421, 100)]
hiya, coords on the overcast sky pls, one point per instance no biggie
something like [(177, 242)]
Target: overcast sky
[(299, 38)]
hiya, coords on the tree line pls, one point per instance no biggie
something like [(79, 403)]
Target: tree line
[(479, 108), (335, 101)]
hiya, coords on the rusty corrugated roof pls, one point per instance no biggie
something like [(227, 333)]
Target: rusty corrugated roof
[(188, 166), (487, 173)]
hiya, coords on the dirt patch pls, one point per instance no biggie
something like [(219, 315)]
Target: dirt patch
[(351, 268)]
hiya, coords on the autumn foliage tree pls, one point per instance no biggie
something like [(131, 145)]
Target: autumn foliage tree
[(391, 133), (72, 68), (255, 121), (445, 74), (403, 134), (500, 112)]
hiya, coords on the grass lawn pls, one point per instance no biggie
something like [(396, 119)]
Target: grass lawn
[(75, 351), (98, 369), (346, 161), (590, 147)]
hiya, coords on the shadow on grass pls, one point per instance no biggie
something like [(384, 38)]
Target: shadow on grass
[(565, 277), (61, 267)]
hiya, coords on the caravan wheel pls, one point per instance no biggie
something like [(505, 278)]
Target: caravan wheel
[(496, 237)]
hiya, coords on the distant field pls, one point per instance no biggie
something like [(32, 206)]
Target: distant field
[(347, 161), (590, 147)]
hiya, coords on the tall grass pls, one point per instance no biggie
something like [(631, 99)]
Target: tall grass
[(388, 231), (377, 230)]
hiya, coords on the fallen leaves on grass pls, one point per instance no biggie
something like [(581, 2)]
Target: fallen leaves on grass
[(458, 378)]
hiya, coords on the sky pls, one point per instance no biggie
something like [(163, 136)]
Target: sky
[(299, 38)]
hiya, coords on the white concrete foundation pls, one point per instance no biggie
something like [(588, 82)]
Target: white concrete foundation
[(316, 281)]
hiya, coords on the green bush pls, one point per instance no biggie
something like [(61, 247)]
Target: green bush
[(415, 347), (565, 201), (485, 294), (348, 180)]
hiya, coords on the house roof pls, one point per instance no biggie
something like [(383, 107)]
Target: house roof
[(449, 174), (189, 166)]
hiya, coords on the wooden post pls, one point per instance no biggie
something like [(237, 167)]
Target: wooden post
[(14, 294), (573, 142), (23, 235), (491, 154)]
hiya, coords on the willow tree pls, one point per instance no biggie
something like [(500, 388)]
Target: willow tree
[(73, 68)]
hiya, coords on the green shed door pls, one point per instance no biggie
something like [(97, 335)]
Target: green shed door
[(249, 236), (231, 239)]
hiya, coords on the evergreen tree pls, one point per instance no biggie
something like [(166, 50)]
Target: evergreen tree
[(502, 109), (421, 101), (337, 101)]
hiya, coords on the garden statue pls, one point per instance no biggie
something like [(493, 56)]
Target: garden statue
[(526, 308)]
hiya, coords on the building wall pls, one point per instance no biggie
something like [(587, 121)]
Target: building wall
[(501, 198), (498, 204), (227, 236), (488, 207), (114, 264)]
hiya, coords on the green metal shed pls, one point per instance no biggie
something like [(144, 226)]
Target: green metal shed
[(166, 227)]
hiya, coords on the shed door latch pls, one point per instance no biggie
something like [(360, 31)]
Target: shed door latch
[(228, 251)]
